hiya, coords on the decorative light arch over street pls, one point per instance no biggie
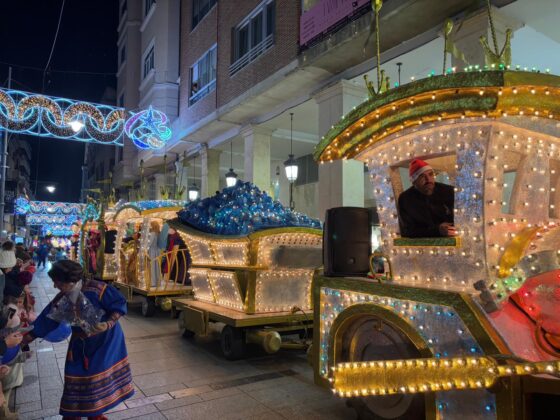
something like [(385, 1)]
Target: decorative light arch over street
[(47, 116)]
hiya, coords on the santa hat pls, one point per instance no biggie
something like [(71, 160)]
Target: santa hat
[(7, 259), (416, 168)]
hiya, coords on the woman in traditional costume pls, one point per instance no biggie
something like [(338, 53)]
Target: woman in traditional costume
[(97, 375)]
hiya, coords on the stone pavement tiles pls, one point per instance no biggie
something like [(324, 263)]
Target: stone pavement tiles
[(176, 378)]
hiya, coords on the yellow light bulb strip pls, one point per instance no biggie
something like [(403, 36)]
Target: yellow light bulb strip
[(427, 375)]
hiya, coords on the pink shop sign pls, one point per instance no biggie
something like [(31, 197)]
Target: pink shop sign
[(325, 14)]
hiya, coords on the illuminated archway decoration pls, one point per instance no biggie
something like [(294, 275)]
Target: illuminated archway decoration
[(55, 218), (56, 230), (46, 116), (39, 208), (148, 129)]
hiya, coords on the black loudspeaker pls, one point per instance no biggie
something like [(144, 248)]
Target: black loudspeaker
[(346, 241)]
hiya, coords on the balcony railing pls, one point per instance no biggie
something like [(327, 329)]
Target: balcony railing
[(252, 54)]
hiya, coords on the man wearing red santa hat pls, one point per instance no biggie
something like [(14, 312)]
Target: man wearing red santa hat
[(426, 208)]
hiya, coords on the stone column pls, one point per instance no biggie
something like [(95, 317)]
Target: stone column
[(257, 156), (467, 36), (210, 166), (341, 183)]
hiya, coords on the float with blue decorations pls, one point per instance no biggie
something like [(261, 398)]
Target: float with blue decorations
[(150, 264), (465, 326), (253, 262)]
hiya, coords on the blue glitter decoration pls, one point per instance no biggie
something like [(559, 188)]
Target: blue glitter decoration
[(240, 210), (141, 206)]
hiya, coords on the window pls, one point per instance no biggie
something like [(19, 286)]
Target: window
[(120, 154), (203, 76), (510, 181), (201, 9), (148, 62), (123, 8), (122, 55), (148, 6), (253, 36), (308, 170)]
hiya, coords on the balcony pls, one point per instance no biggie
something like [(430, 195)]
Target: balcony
[(252, 54), (341, 46)]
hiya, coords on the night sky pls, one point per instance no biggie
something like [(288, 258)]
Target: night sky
[(83, 65)]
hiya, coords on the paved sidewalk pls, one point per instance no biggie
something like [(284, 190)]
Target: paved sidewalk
[(176, 378)]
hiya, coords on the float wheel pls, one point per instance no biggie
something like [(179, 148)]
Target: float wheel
[(369, 338), (148, 307), (232, 342)]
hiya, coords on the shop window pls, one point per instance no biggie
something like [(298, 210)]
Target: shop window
[(201, 9), (203, 76), (253, 36)]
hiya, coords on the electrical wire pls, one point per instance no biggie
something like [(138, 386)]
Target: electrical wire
[(94, 73), (54, 42)]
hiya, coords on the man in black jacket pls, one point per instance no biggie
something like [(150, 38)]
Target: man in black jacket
[(426, 208)]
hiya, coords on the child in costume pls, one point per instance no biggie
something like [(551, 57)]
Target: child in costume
[(97, 375)]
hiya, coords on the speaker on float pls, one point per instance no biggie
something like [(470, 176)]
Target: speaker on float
[(346, 241)]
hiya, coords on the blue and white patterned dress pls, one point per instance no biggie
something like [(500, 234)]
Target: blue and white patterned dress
[(97, 375)]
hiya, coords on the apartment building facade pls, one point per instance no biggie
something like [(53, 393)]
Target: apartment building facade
[(148, 72), (244, 67)]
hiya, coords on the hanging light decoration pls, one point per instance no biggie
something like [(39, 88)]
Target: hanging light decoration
[(291, 165), (231, 177), (194, 191)]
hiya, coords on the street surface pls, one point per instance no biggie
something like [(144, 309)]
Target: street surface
[(177, 378)]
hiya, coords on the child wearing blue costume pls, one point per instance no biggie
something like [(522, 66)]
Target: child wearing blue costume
[(97, 375)]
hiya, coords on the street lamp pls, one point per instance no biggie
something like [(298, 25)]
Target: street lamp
[(193, 189), (50, 188), (231, 177), (290, 165)]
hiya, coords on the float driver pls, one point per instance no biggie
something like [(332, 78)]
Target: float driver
[(426, 208)]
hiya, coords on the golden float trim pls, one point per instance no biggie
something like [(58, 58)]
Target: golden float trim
[(412, 376), (464, 95)]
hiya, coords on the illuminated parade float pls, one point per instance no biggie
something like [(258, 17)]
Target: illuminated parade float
[(461, 325), (253, 263), (150, 263)]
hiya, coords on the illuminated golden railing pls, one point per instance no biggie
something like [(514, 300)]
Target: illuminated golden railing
[(176, 270), (355, 379)]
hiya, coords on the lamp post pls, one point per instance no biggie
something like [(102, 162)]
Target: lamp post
[(290, 165), (3, 163), (193, 189), (231, 177)]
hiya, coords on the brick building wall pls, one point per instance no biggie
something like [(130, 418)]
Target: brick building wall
[(194, 43), (216, 27), (285, 49)]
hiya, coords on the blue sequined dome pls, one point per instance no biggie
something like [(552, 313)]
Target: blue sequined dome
[(240, 210)]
